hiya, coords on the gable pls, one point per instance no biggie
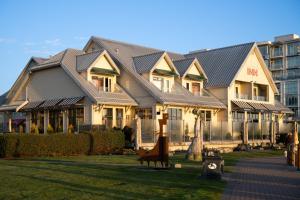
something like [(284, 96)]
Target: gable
[(252, 70), (103, 63), (50, 84), (194, 70), (163, 64)]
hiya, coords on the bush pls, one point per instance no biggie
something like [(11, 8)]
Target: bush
[(107, 141), (8, 145), (61, 144)]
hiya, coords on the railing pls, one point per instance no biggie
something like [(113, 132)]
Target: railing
[(259, 98), (241, 96), (286, 76)]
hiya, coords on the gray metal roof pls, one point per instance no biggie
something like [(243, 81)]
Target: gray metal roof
[(3, 98), (123, 54), (118, 97), (145, 63), (182, 65), (84, 61), (221, 65)]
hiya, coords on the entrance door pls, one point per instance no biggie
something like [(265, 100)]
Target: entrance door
[(175, 125), (107, 117)]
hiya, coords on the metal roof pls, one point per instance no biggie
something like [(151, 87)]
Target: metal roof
[(221, 65), (242, 105), (124, 54), (84, 61), (258, 106), (70, 101), (118, 97), (183, 65), (145, 63)]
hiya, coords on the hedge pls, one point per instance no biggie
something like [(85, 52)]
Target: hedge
[(12, 145)]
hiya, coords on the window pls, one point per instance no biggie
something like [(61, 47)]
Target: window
[(167, 87), (145, 113), (175, 113), (293, 62), (255, 91), (291, 87), (196, 88), (237, 92), (107, 117), (291, 100), (162, 84), (158, 82), (107, 85), (293, 49), (102, 83), (264, 50), (277, 51), (293, 73), (188, 86), (276, 64)]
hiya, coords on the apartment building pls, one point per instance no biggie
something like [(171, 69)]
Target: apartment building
[(282, 56)]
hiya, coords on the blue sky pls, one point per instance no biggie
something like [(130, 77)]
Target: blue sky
[(43, 28)]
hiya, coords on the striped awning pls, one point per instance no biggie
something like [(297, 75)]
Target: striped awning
[(271, 107), (32, 105), (50, 103), (8, 108), (70, 101), (243, 105), (258, 106), (283, 109)]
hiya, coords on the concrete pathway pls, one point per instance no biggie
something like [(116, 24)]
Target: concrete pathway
[(262, 178)]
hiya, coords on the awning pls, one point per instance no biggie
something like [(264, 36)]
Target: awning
[(32, 105), (242, 105), (194, 77), (258, 106), (283, 108), (271, 107), (97, 70), (70, 101), (50, 103), (164, 72), (9, 108)]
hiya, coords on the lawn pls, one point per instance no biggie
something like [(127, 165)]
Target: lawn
[(108, 177)]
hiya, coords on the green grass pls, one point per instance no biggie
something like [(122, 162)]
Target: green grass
[(108, 177)]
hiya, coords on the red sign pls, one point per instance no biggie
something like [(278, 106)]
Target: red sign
[(252, 72)]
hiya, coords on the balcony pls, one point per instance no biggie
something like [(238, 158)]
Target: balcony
[(241, 96), (259, 98)]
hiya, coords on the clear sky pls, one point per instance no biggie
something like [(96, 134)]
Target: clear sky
[(42, 28)]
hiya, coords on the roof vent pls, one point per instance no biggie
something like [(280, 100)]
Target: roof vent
[(200, 50)]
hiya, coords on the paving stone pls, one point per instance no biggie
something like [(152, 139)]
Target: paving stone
[(262, 178)]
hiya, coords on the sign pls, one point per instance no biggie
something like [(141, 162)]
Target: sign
[(252, 72)]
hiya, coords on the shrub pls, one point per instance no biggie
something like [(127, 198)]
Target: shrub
[(107, 141), (53, 145), (8, 145), (61, 144), (50, 129)]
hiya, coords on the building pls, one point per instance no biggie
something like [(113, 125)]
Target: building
[(282, 56), (109, 83)]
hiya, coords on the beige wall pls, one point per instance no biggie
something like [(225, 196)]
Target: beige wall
[(163, 64), (50, 84), (102, 62)]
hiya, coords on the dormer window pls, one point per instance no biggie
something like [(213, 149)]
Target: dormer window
[(162, 84), (196, 87), (102, 83)]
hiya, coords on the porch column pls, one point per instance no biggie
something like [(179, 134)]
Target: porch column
[(46, 121), (65, 121), (114, 117), (245, 136), (260, 124), (272, 129), (9, 122), (28, 122)]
